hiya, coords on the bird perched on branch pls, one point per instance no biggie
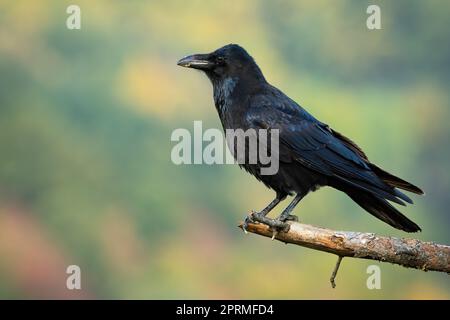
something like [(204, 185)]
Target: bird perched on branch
[(311, 154)]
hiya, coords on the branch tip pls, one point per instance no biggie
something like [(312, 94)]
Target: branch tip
[(335, 271)]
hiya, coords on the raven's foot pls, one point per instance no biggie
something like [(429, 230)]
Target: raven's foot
[(283, 219), (275, 224)]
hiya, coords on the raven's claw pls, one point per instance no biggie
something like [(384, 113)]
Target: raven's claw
[(248, 219), (274, 234)]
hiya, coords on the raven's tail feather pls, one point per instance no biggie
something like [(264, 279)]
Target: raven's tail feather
[(394, 181), (384, 211)]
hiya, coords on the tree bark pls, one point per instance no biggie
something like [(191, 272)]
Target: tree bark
[(410, 253)]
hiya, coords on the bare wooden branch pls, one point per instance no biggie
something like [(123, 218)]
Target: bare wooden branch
[(410, 253), (335, 271)]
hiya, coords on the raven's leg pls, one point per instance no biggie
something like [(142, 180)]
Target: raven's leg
[(280, 222), (286, 214), (261, 216)]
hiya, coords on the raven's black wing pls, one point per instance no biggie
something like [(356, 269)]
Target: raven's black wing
[(312, 143)]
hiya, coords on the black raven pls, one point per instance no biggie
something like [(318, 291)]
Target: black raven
[(311, 154)]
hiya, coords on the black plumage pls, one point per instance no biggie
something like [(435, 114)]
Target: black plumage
[(311, 154)]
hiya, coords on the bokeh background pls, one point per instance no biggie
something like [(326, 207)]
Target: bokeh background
[(85, 124)]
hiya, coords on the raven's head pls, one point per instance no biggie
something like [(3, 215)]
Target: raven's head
[(230, 61)]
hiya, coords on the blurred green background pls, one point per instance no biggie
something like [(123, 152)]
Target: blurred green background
[(85, 123)]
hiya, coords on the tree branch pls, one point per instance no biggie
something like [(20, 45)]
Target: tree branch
[(410, 253), (335, 271)]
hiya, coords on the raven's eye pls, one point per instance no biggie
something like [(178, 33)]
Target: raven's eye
[(220, 60)]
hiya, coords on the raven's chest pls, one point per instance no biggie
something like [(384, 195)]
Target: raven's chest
[(230, 103)]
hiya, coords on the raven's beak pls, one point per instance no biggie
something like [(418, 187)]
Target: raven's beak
[(196, 61)]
